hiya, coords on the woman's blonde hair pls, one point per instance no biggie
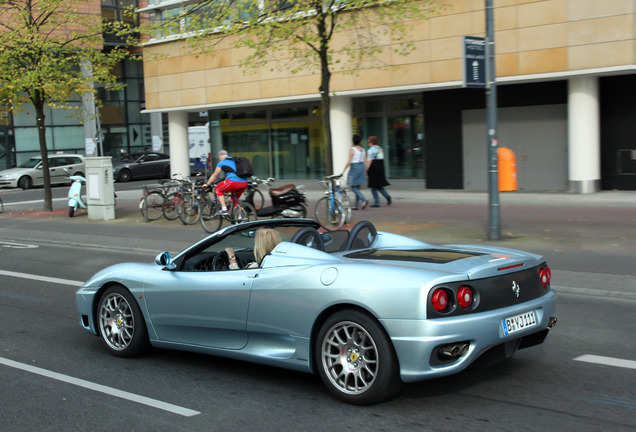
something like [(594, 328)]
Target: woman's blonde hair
[(265, 241)]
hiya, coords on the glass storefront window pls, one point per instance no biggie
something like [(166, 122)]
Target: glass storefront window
[(250, 144), (399, 125)]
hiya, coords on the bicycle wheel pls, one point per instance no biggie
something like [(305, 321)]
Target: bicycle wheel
[(258, 199), (246, 211), (210, 221), (346, 205), (188, 210), (330, 213), (170, 206), (153, 207)]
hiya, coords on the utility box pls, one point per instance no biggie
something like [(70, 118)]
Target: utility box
[(100, 188), (507, 169)]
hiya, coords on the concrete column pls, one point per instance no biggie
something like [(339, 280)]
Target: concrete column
[(341, 114), (179, 154), (93, 145), (156, 131), (584, 136)]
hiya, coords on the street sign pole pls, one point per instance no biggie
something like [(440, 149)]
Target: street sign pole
[(494, 223)]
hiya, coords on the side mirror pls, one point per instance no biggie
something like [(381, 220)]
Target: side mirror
[(164, 259)]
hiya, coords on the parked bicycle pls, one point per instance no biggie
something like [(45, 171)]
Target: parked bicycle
[(194, 196), (334, 209), (239, 211), (151, 202)]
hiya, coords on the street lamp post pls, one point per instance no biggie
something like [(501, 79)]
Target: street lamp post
[(491, 120)]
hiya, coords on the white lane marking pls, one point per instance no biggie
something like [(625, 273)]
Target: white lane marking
[(41, 278), (608, 361), (10, 244), (102, 389)]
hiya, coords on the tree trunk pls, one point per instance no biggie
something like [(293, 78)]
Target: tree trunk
[(325, 97), (38, 103)]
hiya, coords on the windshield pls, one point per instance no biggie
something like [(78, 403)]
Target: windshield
[(126, 157), (31, 163)]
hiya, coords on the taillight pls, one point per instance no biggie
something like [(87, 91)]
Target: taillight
[(439, 299), (545, 275), (464, 296)]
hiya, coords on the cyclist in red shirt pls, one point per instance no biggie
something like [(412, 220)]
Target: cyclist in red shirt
[(231, 183)]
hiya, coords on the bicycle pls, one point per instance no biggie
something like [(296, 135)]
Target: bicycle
[(252, 191), (173, 196), (334, 209), (151, 203), (188, 208), (211, 220)]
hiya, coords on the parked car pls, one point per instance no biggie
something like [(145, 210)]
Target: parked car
[(366, 310), (30, 174), (139, 166)]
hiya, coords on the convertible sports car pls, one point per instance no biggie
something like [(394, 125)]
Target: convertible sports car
[(366, 310)]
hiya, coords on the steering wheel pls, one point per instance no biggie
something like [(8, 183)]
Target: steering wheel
[(221, 261)]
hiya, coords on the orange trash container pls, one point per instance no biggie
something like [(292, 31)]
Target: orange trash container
[(507, 165)]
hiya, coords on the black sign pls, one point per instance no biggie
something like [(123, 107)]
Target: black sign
[(474, 64)]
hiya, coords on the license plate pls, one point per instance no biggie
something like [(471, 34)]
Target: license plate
[(519, 322)]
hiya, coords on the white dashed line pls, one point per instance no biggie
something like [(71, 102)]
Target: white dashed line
[(102, 389), (608, 361)]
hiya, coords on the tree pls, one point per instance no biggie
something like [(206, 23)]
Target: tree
[(46, 49), (299, 35)]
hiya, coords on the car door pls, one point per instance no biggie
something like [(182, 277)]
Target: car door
[(150, 165), (204, 308), (56, 170)]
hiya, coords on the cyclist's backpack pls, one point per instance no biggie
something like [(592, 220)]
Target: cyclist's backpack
[(243, 167)]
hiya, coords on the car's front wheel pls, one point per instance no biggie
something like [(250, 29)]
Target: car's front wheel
[(355, 359), (124, 176), (121, 324), (25, 183)]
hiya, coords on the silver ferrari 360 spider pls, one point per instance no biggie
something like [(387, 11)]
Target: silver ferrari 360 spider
[(366, 310)]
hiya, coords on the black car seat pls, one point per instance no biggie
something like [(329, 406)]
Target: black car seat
[(309, 237), (361, 236)]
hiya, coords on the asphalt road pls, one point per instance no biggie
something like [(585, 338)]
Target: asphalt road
[(55, 376)]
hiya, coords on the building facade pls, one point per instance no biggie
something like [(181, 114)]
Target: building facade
[(562, 69), (120, 126)]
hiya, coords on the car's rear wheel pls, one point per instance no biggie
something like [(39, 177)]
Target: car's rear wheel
[(121, 324), (25, 183), (355, 359), (124, 176)]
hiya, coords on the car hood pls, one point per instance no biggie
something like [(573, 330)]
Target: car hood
[(14, 171), (132, 274), (474, 262)]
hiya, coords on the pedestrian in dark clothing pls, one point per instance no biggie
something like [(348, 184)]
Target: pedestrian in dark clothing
[(357, 162), (375, 172)]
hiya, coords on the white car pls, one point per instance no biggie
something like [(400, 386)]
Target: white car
[(30, 173)]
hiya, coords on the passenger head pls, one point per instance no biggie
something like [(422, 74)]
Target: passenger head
[(265, 241), (357, 139)]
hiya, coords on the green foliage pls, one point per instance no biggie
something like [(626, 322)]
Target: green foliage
[(43, 45)]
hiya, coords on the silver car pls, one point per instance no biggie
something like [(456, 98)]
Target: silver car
[(30, 173), (366, 310)]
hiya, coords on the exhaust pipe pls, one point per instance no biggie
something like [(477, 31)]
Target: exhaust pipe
[(453, 351), (552, 322)]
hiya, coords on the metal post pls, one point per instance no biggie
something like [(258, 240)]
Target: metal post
[(491, 119)]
